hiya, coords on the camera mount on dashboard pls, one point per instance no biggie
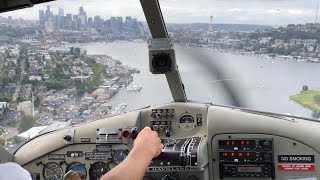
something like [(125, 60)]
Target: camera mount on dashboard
[(162, 58)]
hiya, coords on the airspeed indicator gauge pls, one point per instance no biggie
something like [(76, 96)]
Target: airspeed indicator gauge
[(52, 171), (120, 155)]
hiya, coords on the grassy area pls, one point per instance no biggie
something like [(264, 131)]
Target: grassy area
[(306, 99), (1, 131)]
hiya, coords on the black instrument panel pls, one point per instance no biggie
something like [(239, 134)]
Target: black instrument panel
[(246, 158), (92, 161)]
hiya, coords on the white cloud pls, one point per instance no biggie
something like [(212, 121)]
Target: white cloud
[(273, 11), (242, 19), (295, 11), (189, 11), (235, 10)]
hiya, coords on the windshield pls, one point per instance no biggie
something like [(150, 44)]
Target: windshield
[(69, 62)]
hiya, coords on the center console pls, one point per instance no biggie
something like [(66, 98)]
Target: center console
[(180, 159)]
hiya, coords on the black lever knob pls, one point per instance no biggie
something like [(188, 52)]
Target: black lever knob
[(67, 137), (39, 163), (134, 133), (168, 133)]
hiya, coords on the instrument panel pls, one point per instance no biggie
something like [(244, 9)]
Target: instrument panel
[(91, 160), (200, 142)]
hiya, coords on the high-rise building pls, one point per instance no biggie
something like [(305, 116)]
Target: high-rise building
[(128, 18), (56, 21), (75, 17), (48, 12), (81, 9), (69, 17), (61, 22), (211, 24), (90, 22), (113, 23), (128, 22), (61, 19), (68, 21), (97, 21), (42, 18), (119, 22), (82, 16), (61, 12), (135, 25)]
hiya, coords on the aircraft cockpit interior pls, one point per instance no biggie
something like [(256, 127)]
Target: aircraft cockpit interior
[(202, 141)]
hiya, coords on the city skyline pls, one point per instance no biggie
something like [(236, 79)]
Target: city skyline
[(269, 12), (80, 20)]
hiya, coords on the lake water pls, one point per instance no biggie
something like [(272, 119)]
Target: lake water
[(261, 83)]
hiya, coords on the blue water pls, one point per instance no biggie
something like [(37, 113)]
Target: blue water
[(262, 84)]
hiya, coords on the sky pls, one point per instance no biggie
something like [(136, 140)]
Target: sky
[(268, 12)]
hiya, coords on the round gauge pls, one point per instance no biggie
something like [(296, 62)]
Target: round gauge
[(97, 170), (187, 122), (77, 167), (120, 155), (52, 171)]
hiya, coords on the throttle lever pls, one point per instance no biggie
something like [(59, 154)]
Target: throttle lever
[(134, 133)]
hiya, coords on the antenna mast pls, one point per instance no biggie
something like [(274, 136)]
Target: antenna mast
[(317, 12), (211, 24)]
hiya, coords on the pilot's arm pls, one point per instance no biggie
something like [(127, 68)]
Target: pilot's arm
[(146, 146)]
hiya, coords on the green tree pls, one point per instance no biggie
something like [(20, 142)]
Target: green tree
[(25, 79), (27, 65), (54, 112), (80, 86), (305, 88), (98, 69), (26, 123), (71, 50), (4, 97), (77, 51), (19, 99), (5, 109), (2, 142), (16, 139), (54, 84), (4, 79), (37, 102)]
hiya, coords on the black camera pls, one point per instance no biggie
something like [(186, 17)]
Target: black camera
[(162, 56)]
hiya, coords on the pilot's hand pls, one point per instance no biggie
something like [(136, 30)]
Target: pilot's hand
[(73, 175), (148, 142)]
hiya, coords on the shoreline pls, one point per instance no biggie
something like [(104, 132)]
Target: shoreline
[(306, 100), (226, 51)]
